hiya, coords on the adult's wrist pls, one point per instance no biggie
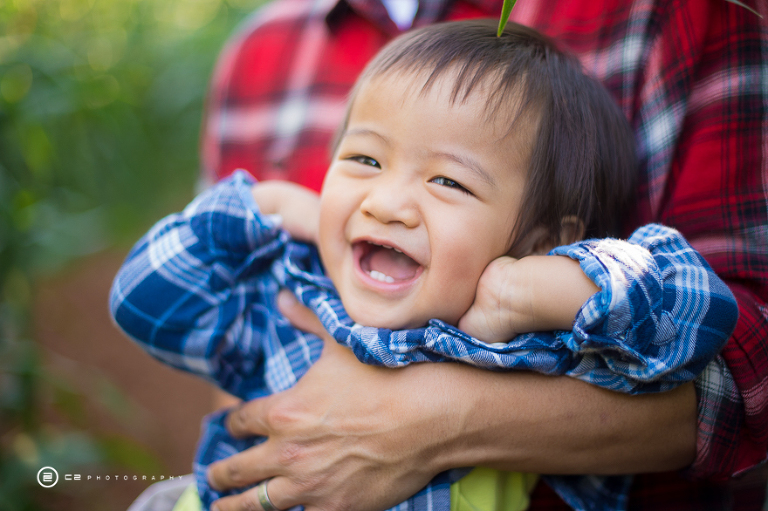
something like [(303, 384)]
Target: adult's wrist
[(435, 415), (534, 423)]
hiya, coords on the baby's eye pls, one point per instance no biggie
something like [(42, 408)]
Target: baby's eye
[(450, 183), (365, 160)]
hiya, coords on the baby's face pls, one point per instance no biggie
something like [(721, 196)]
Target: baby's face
[(419, 198)]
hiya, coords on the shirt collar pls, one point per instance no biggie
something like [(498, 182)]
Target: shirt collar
[(492, 8), (375, 12)]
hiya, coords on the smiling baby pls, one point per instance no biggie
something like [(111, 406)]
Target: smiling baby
[(460, 151)]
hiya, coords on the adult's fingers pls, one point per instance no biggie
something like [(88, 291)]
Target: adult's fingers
[(342, 448), (280, 491), (249, 418), (242, 469), (300, 316)]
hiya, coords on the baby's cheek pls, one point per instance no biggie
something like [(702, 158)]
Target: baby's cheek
[(457, 297)]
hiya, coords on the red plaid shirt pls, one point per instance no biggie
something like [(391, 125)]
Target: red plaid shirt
[(691, 77)]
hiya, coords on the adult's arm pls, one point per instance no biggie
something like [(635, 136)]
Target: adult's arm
[(412, 423)]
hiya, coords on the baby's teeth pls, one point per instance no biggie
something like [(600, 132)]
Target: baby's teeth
[(377, 275), (392, 248)]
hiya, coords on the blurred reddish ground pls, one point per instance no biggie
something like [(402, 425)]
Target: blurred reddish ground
[(160, 408)]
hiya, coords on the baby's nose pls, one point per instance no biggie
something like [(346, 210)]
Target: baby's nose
[(392, 199)]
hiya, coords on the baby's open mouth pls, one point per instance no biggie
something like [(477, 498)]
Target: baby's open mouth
[(384, 263)]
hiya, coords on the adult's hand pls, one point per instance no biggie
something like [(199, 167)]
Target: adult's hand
[(336, 439), (350, 436)]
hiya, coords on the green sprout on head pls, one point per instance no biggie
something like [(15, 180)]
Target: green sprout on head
[(506, 10)]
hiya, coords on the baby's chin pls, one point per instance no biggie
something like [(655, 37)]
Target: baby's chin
[(387, 320), (382, 321)]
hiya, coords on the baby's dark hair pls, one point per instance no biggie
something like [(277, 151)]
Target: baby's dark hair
[(582, 161)]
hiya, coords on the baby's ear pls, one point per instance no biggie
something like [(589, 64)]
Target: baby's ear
[(571, 230), (537, 242), (540, 242)]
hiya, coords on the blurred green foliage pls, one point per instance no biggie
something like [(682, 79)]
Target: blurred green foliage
[(100, 109)]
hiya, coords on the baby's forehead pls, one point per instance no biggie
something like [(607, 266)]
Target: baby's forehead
[(497, 131), (507, 103)]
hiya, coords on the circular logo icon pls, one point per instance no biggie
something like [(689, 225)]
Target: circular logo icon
[(47, 477)]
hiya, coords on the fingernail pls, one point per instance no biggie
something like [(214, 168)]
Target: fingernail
[(210, 480)]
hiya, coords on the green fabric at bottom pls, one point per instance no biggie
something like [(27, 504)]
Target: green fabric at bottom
[(189, 500), (486, 489), (483, 489)]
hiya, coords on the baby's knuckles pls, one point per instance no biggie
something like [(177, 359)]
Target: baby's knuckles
[(497, 312), (298, 206)]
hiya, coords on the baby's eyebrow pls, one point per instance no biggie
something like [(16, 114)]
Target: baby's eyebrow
[(463, 160), (366, 132), (468, 162)]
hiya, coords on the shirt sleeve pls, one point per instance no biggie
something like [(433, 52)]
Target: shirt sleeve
[(182, 292), (659, 299)]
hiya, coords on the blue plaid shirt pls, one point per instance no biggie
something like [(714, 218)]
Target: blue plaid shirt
[(199, 290)]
